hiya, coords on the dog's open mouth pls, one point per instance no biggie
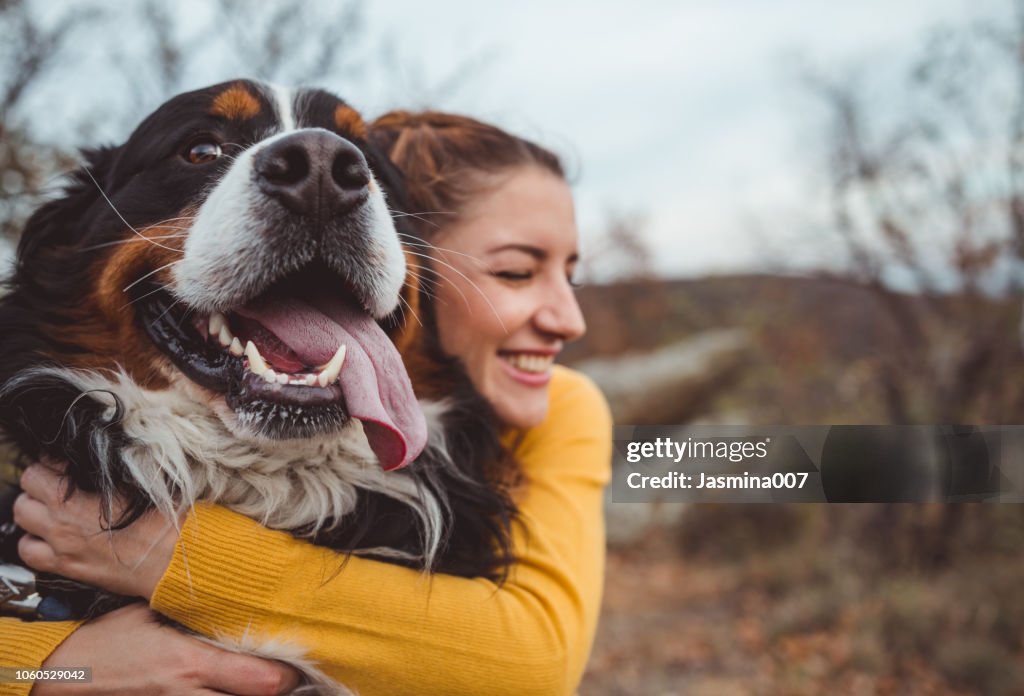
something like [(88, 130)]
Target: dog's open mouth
[(299, 360)]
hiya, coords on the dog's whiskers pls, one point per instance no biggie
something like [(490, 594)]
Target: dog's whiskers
[(139, 299), (411, 311), (401, 309), (419, 216), (133, 240), (118, 212), (154, 271), (425, 285), (444, 277), (467, 279), (189, 218), (185, 315), (422, 243), (164, 313)]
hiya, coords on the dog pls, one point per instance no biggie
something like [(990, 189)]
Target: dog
[(218, 309)]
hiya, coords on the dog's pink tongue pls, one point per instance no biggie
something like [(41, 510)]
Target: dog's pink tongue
[(374, 381)]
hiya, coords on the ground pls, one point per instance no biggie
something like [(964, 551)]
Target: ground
[(798, 619)]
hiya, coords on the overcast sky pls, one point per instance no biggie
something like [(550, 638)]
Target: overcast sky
[(687, 112)]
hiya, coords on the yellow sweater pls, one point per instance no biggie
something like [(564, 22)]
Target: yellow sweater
[(384, 629)]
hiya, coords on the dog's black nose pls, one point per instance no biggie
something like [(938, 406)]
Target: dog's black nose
[(313, 172)]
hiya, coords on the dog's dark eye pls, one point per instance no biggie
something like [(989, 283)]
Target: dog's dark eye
[(203, 151)]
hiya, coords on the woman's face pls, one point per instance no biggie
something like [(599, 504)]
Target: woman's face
[(504, 300)]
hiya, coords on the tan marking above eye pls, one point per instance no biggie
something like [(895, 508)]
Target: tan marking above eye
[(236, 102), (349, 121)]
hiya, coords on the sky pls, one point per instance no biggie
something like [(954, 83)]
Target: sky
[(687, 114)]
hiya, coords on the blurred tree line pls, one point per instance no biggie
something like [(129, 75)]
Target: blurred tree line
[(925, 192), (85, 72), (919, 203), (158, 52)]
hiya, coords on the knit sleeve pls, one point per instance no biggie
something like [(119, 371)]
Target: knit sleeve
[(381, 628), (26, 645)]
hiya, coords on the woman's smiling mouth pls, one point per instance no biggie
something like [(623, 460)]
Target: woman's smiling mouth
[(530, 368)]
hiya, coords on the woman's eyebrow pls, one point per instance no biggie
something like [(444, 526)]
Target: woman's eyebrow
[(535, 252)]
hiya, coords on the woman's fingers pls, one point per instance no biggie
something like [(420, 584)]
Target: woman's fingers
[(245, 675), (43, 482), (132, 653), (31, 515), (37, 554), (71, 536)]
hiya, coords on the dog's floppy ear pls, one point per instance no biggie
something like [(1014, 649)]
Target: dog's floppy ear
[(402, 329), (59, 222), (388, 176)]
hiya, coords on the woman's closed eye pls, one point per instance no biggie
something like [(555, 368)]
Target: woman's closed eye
[(513, 276)]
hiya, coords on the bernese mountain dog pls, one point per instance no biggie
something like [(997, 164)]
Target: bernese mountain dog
[(217, 310)]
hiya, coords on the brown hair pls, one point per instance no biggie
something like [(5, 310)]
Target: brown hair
[(448, 159)]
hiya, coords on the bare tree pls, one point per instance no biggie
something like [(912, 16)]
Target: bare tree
[(286, 41), (929, 207), (30, 50), (291, 42), (620, 251)]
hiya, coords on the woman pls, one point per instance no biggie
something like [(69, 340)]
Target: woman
[(504, 250)]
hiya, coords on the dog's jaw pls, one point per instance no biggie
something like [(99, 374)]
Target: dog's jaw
[(180, 448)]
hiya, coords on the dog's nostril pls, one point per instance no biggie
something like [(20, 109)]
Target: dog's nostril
[(287, 166), (313, 172), (349, 170)]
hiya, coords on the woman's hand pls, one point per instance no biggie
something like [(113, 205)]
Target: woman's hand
[(130, 653), (68, 537)]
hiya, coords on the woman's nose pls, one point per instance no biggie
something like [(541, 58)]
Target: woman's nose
[(560, 314)]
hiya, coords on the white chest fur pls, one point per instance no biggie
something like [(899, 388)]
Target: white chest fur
[(180, 451)]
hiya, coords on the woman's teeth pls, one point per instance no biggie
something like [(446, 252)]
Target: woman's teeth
[(529, 362), (257, 364)]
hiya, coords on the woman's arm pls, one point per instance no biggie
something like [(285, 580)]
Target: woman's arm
[(26, 645), (381, 628), (129, 651)]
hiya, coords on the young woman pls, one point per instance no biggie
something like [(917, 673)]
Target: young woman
[(499, 217)]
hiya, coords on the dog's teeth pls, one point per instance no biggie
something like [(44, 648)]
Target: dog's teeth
[(217, 322), (258, 365), (224, 336), (256, 362), (333, 368)]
